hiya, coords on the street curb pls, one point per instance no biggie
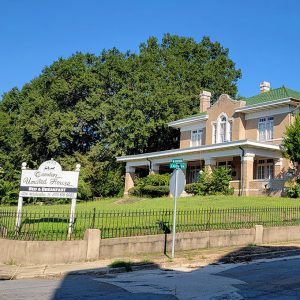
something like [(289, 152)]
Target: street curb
[(256, 256), (106, 271)]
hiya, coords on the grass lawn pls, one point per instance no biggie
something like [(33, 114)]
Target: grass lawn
[(131, 204), (141, 216)]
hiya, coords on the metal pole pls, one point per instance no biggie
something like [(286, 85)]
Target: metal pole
[(72, 213), (19, 214), (72, 218), (20, 204), (174, 214)]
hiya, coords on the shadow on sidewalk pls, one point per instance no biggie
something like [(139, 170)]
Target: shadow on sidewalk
[(87, 284)]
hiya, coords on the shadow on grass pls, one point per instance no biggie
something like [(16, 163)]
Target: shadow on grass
[(46, 220)]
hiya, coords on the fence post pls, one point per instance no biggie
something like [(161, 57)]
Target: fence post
[(259, 232)]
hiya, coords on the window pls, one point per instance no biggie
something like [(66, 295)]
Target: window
[(222, 134), (193, 174), (197, 137), (265, 128), (265, 169), (214, 133), (222, 130)]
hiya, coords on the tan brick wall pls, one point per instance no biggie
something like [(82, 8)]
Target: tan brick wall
[(280, 123), (225, 105), (185, 139)]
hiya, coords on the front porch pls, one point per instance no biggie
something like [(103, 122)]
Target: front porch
[(256, 168)]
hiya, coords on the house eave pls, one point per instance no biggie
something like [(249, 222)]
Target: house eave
[(198, 149), (188, 121), (265, 105)]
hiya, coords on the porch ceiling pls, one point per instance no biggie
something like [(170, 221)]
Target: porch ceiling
[(205, 151)]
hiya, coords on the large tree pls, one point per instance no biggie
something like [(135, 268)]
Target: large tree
[(90, 108), (291, 141)]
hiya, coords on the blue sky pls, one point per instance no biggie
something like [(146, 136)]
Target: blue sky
[(263, 36)]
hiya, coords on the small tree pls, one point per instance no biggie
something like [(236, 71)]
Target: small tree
[(291, 141)]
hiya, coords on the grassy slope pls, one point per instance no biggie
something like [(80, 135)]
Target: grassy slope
[(114, 204)]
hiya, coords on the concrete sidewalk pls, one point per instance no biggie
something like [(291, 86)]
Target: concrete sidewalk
[(183, 260)]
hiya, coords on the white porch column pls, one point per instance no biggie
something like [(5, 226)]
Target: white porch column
[(129, 179), (278, 167), (247, 173), (210, 163), (154, 169)]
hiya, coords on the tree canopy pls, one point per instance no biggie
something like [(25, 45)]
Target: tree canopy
[(91, 109), (291, 141)]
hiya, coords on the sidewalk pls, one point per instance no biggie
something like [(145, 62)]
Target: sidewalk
[(184, 260)]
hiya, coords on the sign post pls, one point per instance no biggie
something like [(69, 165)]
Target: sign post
[(48, 181), (177, 183)]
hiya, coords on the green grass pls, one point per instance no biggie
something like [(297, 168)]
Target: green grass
[(130, 204), (132, 216)]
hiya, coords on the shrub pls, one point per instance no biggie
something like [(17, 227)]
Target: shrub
[(220, 181), (212, 184), (293, 189), (193, 188), (150, 191), (154, 180)]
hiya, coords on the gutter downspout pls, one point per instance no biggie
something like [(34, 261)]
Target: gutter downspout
[(242, 172), (150, 165)]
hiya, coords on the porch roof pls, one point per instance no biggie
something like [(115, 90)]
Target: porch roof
[(200, 149)]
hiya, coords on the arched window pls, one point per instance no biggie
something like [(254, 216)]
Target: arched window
[(223, 127), (222, 130)]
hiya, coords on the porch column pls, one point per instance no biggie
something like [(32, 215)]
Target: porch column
[(210, 163), (277, 167), (129, 179), (247, 173), (154, 169)]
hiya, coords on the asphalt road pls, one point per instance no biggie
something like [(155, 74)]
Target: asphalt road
[(274, 279)]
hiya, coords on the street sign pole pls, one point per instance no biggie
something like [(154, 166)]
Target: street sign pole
[(174, 214)]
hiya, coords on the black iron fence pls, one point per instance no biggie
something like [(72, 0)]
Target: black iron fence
[(54, 226)]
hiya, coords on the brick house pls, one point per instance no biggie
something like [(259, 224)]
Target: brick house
[(244, 135)]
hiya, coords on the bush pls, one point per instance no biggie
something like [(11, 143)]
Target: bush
[(212, 184), (154, 180), (220, 181), (193, 188), (150, 191), (293, 189)]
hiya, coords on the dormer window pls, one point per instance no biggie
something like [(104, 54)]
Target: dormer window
[(222, 130)]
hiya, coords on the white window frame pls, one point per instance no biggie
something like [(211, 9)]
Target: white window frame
[(196, 137), (265, 129), (222, 129), (265, 169)]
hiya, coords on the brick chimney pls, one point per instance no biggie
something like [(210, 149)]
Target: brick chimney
[(204, 101), (265, 86)]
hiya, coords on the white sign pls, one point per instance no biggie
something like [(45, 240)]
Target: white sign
[(176, 188), (49, 181)]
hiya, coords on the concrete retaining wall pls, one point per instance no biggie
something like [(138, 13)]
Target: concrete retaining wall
[(93, 248), (119, 247), (50, 252)]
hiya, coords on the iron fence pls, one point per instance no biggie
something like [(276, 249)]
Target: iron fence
[(54, 225)]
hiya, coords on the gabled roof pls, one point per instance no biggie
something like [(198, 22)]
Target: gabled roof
[(272, 95)]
